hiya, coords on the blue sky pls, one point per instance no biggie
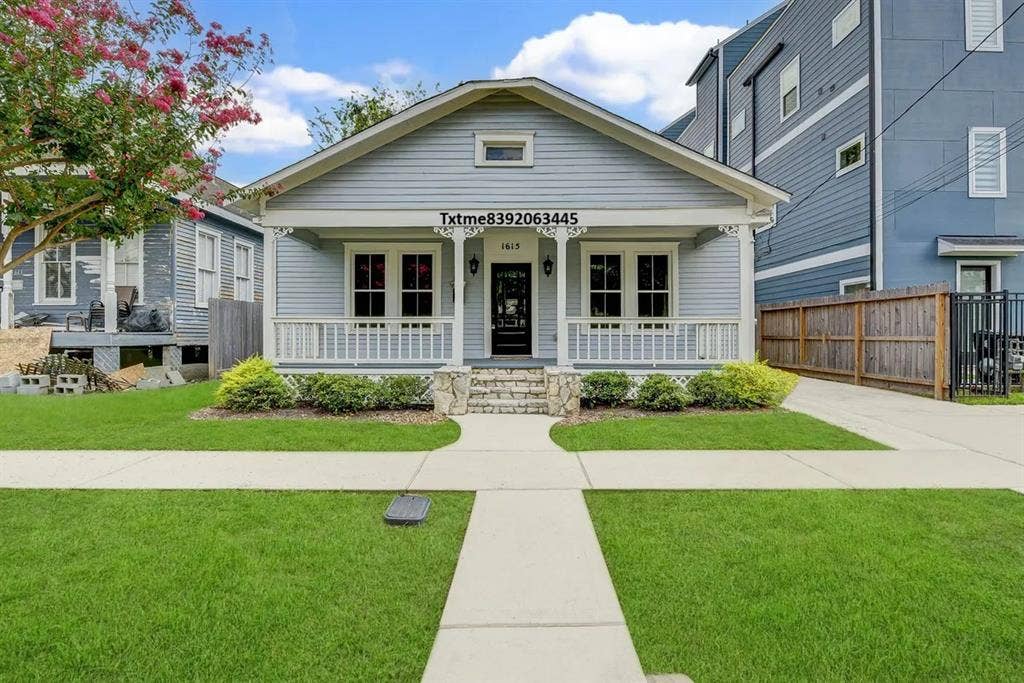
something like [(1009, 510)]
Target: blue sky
[(631, 57)]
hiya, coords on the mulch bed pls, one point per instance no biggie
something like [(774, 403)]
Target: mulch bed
[(621, 413), (420, 417)]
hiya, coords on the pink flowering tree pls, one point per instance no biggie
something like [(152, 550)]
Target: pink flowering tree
[(110, 119)]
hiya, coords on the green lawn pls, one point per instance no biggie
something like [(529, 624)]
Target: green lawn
[(820, 585), (220, 585), (159, 420), (762, 430), (1016, 398)]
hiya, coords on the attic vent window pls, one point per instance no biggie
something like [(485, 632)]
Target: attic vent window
[(504, 148)]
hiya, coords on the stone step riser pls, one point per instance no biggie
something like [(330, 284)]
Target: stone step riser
[(508, 410), (508, 403), (526, 391)]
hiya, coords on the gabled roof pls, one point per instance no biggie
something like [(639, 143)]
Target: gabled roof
[(713, 53), (543, 93), (673, 130)]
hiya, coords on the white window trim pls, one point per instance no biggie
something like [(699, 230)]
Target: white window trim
[(629, 251), (996, 274), (251, 247), (142, 272), (709, 151), (972, 147), (217, 263), (504, 137), (40, 281), (393, 278), (997, 37), (734, 130), (849, 143), (835, 40), (862, 280), (782, 95)]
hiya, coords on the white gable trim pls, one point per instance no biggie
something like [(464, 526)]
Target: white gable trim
[(762, 194)]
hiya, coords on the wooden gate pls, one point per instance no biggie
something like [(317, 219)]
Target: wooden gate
[(894, 339), (236, 332)]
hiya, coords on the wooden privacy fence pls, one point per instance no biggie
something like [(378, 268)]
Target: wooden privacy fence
[(236, 332), (895, 339)]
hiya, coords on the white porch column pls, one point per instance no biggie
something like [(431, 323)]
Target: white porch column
[(459, 240), (745, 235), (562, 334), (270, 237), (107, 292)]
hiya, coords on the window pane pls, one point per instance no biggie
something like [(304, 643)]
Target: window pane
[(987, 162), (426, 304), (613, 304), (850, 155), (613, 273), (659, 264), (974, 279), (597, 305), (643, 305), (361, 277), (597, 272), (789, 102), (659, 304), (425, 271), (377, 303), (409, 304), (362, 303), (377, 274), (409, 267), (644, 277), (503, 153)]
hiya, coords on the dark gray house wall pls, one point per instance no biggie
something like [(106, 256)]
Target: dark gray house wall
[(920, 42), (703, 130)]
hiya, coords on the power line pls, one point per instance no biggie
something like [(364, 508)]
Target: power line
[(874, 139)]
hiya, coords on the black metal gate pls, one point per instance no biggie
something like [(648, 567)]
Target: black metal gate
[(986, 343)]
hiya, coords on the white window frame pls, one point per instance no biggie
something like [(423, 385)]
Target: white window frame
[(862, 139), (244, 245), (393, 277), (996, 38), (709, 151), (972, 162), (795, 62), (630, 281), (504, 138), (996, 274), (217, 264), (736, 128), (142, 277), (40, 276), (836, 38), (847, 282)]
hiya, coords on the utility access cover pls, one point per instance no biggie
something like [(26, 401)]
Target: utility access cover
[(407, 511)]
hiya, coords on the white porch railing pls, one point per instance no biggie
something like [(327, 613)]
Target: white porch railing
[(363, 340), (653, 341)]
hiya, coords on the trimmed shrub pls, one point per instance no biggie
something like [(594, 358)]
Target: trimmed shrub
[(659, 392), (395, 392), (606, 388), (339, 393), (741, 385), (253, 385)]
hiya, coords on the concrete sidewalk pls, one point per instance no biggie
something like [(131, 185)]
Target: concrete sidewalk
[(531, 599)]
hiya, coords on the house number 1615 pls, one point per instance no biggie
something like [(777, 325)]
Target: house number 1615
[(510, 246)]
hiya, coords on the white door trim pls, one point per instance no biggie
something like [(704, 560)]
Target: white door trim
[(527, 253)]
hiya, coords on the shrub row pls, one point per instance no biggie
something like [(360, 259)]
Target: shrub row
[(734, 386), (253, 385)]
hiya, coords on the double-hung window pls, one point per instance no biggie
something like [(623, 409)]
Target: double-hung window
[(391, 281), (244, 290), (987, 162), (207, 267), (55, 274), (844, 22), (652, 286), (628, 281), (789, 89), (983, 25), (605, 286), (128, 263)]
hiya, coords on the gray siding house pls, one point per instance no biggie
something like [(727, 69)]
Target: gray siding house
[(176, 268), (509, 224), (939, 196)]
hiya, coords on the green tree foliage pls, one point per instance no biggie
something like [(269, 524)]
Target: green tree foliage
[(359, 111)]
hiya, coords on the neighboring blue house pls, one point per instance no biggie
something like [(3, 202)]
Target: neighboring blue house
[(175, 269), (940, 196)]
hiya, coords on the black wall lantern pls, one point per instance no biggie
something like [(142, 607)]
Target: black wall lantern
[(474, 265), (548, 266)]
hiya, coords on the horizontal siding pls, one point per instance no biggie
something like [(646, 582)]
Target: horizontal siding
[(704, 129), (310, 281), (87, 281), (822, 281), (709, 283), (574, 167)]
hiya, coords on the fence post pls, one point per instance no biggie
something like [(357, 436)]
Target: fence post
[(803, 336), (1006, 342), (858, 342), (940, 345)]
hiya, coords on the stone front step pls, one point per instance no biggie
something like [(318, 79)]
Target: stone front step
[(515, 391), (488, 378), (515, 405)]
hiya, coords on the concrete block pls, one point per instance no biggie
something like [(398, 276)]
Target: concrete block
[(175, 379), (10, 379), (69, 389), (33, 390), (72, 380), (8, 390), (146, 384), (35, 380)]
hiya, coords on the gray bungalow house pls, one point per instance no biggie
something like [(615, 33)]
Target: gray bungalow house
[(509, 224), (168, 274)]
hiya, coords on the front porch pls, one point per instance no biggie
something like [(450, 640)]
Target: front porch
[(678, 299)]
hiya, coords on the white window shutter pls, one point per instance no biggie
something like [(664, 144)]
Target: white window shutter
[(982, 18)]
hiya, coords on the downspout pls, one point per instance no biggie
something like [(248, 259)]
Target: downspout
[(875, 158), (751, 82), (721, 123)]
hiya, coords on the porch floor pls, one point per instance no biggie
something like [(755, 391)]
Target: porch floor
[(510, 362)]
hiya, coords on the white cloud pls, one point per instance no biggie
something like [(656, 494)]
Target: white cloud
[(393, 70), (283, 97), (605, 57)]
